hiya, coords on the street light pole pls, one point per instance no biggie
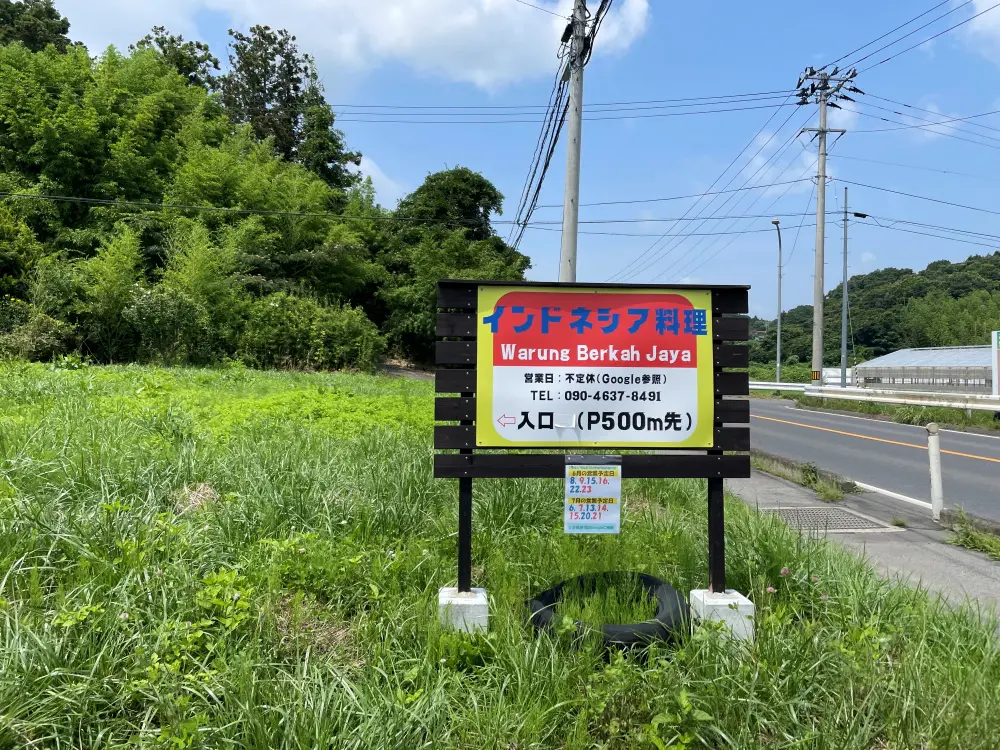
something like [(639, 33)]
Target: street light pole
[(777, 225)]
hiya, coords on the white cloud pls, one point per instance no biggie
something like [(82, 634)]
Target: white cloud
[(984, 31), (488, 43), (868, 260), (387, 190), (98, 23)]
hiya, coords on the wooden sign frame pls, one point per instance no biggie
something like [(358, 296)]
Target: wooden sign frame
[(727, 458)]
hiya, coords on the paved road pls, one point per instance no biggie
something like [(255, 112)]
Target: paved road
[(886, 455)]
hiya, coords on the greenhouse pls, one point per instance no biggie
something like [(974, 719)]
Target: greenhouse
[(966, 369)]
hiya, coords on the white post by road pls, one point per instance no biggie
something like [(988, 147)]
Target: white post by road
[(934, 452)]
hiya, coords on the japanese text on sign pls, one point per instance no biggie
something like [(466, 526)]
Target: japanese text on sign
[(593, 499), (566, 366)]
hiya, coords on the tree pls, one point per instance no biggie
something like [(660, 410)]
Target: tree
[(276, 90), (35, 23), (322, 150), (446, 234), (454, 199), (265, 86), (193, 60), (110, 281)]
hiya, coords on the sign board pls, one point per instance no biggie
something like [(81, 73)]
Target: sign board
[(593, 495), (577, 366), (532, 366), (995, 339)]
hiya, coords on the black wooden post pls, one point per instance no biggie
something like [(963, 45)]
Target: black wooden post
[(716, 536), (465, 524), (465, 534)]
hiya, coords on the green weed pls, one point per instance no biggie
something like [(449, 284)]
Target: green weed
[(294, 605)]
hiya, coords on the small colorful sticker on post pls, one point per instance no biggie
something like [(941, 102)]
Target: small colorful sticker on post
[(593, 499)]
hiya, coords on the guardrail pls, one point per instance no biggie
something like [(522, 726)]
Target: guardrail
[(796, 387), (967, 401)]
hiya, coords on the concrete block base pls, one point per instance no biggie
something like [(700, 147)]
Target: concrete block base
[(467, 611), (732, 609)]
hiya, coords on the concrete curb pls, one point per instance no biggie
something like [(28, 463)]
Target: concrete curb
[(845, 484), (950, 517)]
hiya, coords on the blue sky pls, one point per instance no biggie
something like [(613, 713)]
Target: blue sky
[(501, 53)]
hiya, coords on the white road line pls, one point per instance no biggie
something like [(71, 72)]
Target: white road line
[(893, 495)]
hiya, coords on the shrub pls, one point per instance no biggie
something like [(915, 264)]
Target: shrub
[(110, 282), (13, 313), (40, 337), (172, 327), (283, 330)]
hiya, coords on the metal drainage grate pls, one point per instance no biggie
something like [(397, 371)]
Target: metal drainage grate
[(827, 519)]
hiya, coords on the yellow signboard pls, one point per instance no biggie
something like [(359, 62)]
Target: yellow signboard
[(575, 366)]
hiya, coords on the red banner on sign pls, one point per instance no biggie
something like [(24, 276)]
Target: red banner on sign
[(596, 330)]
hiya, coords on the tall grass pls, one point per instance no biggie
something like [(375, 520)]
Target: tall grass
[(217, 559)]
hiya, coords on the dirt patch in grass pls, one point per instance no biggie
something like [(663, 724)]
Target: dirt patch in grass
[(302, 623), (195, 498)]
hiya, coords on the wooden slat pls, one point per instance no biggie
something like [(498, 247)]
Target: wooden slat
[(729, 329), (463, 437), (730, 301), (464, 381), (553, 466), (455, 353), (454, 437), (732, 411), (732, 438), (457, 295), (463, 325), (731, 355), (464, 409), (732, 384)]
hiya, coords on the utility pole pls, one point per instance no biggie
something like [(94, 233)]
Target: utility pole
[(843, 307), (574, 132), (777, 225), (821, 90)]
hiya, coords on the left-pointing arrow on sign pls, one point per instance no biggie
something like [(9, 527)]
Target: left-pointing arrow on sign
[(505, 421)]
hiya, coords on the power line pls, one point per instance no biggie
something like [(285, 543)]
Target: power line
[(930, 38), (879, 39), (935, 236), (703, 99), (538, 7), (670, 197), (688, 269), (920, 127), (920, 109), (925, 122), (736, 158), (591, 108), (799, 230), (924, 169), (588, 119), (773, 158), (918, 197), (653, 234), (937, 227), (909, 34), (556, 97)]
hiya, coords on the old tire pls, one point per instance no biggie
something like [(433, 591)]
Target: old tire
[(673, 614)]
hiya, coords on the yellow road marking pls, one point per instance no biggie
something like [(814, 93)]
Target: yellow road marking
[(875, 439)]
